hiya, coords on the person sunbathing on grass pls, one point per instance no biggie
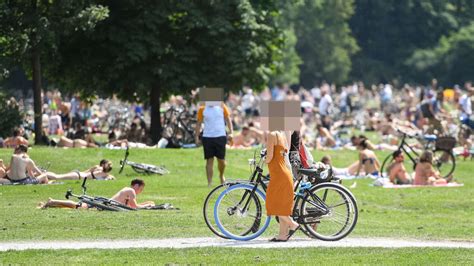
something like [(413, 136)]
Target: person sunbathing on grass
[(425, 174), (126, 196), (99, 172), (22, 169), (396, 170)]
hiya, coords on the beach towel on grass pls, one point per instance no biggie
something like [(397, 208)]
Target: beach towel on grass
[(420, 186)]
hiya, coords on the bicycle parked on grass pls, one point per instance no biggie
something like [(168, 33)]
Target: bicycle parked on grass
[(326, 210), (142, 168), (179, 125), (442, 148)]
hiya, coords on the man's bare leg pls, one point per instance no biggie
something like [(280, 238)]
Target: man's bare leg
[(221, 166), (51, 203), (209, 170)]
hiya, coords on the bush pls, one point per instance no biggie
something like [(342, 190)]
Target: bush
[(10, 116)]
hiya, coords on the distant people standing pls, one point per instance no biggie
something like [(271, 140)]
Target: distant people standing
[(215, 116), (324, 105)]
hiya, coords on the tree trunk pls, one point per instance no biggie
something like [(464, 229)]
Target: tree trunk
[(38, 102), (155, 125)]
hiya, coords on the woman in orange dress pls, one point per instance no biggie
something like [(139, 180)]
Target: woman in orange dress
[(279, 199)]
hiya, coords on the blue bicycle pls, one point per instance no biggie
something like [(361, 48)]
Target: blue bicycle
[(326, 210)]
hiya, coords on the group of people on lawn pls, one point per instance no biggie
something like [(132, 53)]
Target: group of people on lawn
[(23, 170)]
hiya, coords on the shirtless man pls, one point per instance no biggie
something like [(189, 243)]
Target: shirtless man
[(243, 139), (22, 169), (396, 171), (324, 139), (126, 196)]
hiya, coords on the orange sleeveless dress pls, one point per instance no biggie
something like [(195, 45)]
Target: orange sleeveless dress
[(279, 199)]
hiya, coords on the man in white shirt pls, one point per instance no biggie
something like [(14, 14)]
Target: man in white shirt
[(214, 115), (324, 104), (465, 105)]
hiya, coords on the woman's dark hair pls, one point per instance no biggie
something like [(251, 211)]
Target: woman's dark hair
[(106, 165), (22, 148), (138, 182), (363, 143), (426, 157), (396, 153)]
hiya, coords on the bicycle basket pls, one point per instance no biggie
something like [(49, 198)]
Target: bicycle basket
[(445, 143)]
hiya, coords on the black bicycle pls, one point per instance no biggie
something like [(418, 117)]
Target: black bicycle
[(100, 203), (326, 210), (442, 148), (179, 125), (142, 168)]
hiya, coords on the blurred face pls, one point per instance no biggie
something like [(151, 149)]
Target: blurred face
[(245, 132), (400, 158), (138, 189)]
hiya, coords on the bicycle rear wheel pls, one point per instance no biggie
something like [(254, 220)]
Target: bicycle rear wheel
[(329, 212), (239, 213), (385, 164), (444, 162), (101, 205), (208, 208)]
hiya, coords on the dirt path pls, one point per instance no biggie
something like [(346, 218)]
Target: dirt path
[(215, 242)]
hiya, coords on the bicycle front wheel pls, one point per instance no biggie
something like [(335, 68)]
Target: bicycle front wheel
[(208, 210), (329, 212), (444, 162), (239, 212)]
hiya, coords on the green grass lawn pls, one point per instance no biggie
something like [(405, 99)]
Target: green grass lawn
[(425, 213), (228, 256)]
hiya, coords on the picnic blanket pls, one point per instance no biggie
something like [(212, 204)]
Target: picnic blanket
[(419, 186), (18, 184)]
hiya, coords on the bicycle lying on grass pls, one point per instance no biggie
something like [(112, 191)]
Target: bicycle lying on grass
[(99, 203), (105, 204), (442, 148), (326, 210), (142, 168)]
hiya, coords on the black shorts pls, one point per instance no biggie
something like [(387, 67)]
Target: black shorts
[(214, 147), (25, 181)]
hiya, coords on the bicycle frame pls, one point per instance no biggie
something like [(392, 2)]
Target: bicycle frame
[(257, 179), (405, 147)]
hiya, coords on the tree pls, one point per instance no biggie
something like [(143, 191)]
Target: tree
[(29, 33), (451, 60), (325, 43), (389, 32), (158, 48)]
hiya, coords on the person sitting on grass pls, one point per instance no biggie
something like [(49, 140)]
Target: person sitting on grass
[(22, 169), (396, 170), (99, 172), (17, 139), (243, 140), (367, 160), (425, 174), (126, 196)]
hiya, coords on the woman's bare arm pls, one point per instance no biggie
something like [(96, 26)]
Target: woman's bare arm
[(270, 146)]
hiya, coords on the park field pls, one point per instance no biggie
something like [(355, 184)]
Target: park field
[(417, 213)]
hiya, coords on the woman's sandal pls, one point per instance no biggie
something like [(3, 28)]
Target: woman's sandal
[(278, 240), (292, 232)]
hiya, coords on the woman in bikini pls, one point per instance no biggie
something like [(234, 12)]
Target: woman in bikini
[(367, 160), (99, 172)]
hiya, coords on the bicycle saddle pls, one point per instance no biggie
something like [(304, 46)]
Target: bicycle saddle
[(430, 137), (310, 172)]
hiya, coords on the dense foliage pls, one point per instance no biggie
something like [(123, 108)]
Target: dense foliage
[(10, 116)]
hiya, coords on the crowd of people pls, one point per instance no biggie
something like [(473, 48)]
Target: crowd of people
[(330, 118)]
